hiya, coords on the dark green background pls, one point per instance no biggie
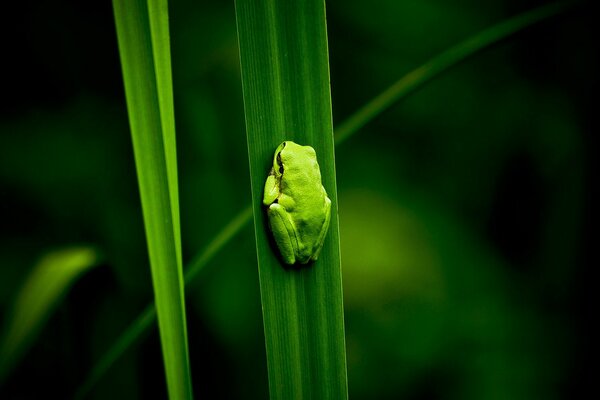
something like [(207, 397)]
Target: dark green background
[(464, 210)]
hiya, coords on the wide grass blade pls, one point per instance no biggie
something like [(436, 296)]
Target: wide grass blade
[(407, 85), (285, 76), (45, 286), (143, 35)]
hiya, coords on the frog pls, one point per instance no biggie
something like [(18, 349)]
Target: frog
[(297, 204)]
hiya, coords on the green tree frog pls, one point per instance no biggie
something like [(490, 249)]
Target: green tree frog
[(298, 208)]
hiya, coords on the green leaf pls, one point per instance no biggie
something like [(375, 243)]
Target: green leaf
[(285, 75), (43, 289), (143, 35)]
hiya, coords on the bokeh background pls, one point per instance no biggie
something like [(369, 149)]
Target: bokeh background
[(465, 210)]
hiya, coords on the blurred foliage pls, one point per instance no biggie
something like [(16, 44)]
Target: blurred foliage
[(463, 211), (43, 289)]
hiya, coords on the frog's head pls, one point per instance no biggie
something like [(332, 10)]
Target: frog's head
[(292, 153)]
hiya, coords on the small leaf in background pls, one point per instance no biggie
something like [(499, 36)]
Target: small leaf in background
[(43, 289)]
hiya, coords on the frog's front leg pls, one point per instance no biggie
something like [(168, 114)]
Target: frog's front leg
[(284, 232), (271, 192)]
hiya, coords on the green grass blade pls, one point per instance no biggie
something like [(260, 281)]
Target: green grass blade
[(398, 91), (142, 31), (146, 319), (34, 302), (441, 63), (285, 75), (159, 29)]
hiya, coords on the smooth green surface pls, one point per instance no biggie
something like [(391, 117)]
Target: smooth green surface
[(404, 87), (143, 35), (43, 289), (285, 77)]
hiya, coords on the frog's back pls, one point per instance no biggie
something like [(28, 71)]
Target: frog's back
[(304, 198)]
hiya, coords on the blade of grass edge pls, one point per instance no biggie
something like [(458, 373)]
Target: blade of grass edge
[(285, 81), (347, 128), (142, 32)]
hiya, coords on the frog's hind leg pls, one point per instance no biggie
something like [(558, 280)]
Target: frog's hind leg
[(324, 229), (283, 233)]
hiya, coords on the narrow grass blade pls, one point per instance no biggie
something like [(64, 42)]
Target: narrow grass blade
[(43, 289), (143, 35), (441, 63), (141, 324), (285, 76), (146, 319), (398, 91)]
